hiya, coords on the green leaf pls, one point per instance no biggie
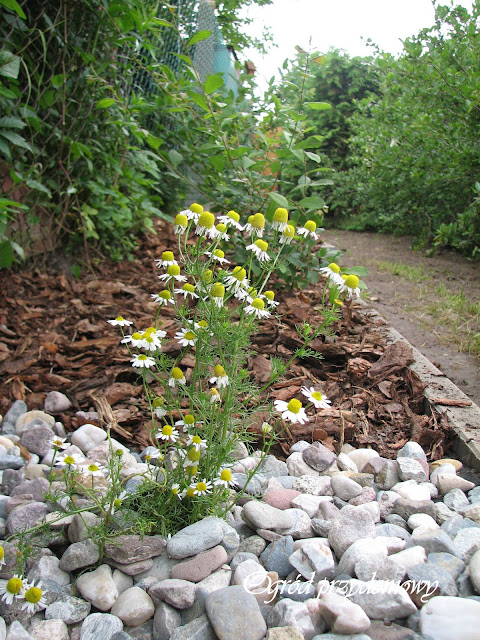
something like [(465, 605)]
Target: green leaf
[(9, 64), (16, 139), (57, 81), (199, 100), (104, 103), (357, 271), (313, 156), (213, 82), (11, 122), (175, 157), (312, 202), (184, 58), (199, 36), (6, 254), (14, 6), (154, 141), (33, 184), (278, 199), (163, 23), (318, 106)]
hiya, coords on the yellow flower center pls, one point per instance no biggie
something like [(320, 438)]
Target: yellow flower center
[(196, 440), (196, 208), (258, 221), (338, 303), (93, 467), (137, 336), (206, 220), (173, 270), (219, 253), (175, 490), (261, 244), (193, 455), (167, 430), (217, 290), (317, 395), (239, 273), (351, 281), (334, 267), (2, 553), (203, 324), (165, 294), (189, 419), (192, 470), (189, 335), (226, 475), (158, 402), (219, 370), (310, 225), (117, 502), (148, 338), (207, 276), (201, 486), (280, 215), (233, 215), (181, 220), (258, 304), (120, 319), (221, 227), (150, 330), (14, 585), (69, 460), (294, 406), (33, 595), (142, 357), (269, 295), (289, 231), (177, 373), (167, 256), (190, 492)]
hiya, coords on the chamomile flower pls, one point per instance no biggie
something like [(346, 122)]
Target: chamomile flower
[(202, 488), (34, 598), (206, 225), (92, 470), (231, 219), (205, 282), (2, 556), (292, 411), (117, 503), (158, 334), (218, 255), (257, 309), (219, 377), (167, 433), (166, 260), (191, 459), (12, 589), (202, 325), (350, 285), (142, 361), (333, 273), (259, 248), (150, 343), (173, 273), (175, 489), (120, 322), (163, 298), (222, 231), (280, 219), (188, 493), (316, 398), (270, 298), (158, 406), (186, 337), (181, 223), (214, 396), (58, 443), (287, 234), (69, 460), (217, 292), (237, 279), (194, 212), (176, 377), (266, 428), (136, 339), (196, 443), (187, 290), (308, 230), (255, 224), (188, 422), (242, 294), (225, 479)]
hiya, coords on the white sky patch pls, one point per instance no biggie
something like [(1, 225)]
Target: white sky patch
[(340, 24)]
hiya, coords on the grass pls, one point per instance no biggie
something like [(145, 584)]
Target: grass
[(455, 311)]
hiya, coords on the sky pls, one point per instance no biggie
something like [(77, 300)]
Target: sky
[(336, 23)]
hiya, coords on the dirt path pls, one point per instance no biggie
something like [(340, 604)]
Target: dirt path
[(411, 291)]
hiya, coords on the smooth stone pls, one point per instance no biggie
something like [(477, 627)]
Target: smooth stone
[(442, 513), (198, 629), (388, 476), (280, 498), (81, 524), (288, 612), (165, 621), (299, 446), (229, 608), (69, 609), (379, 567), (276, 555), (345, 463), (318, 456), (410, 490), (361, 456), (56, 402), (345, 488), (467, 541), (297, 590), (100, 625), (422, 520), (435, 542), (435, 581), (412, 450), (380, 599), (133, 548), (457, 465), (405, 507), (410, 557), (48, 567), (449, 618), (37, 439), (37, 488), (444, 469), (98, 588), (301, 526), (351, 524), (252, 486), (342, 615), (177, 593), (473, 512), (456, 523), (217, 580), (271, 467), (314, 561), (368, 495), (201, 566), (87, 437), (397, 520), (122, 581), (259, 515), (79, 555), (474, 570), (447, 482), (48, 629), (133, 607), (24, 421), (9, 421), (411, 469), (26, 516), (10, 462), (297, 466), (321, 527), (240, 557), (314, 485), (253, 544), (359, 550), (160, 570), (309, 503), (17, 631), (456, 500), (446, 561), (284, 633), (197, 537)]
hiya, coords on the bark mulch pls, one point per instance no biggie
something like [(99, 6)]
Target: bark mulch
[(54, 336)]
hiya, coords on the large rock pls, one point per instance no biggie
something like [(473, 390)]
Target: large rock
[(127, 549), (100, 625), (351, 524), (318, 457), (342, 615), (197, 537), (448, 618), (234, 613), (314, 561), (380, 599), (259, 515), (133, 607), (98, 588)]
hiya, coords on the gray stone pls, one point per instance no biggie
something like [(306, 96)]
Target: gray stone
[(301, 526), (47, 567), (433, 577), (345, 488), (37, 488), (381, 600), (251, 486), (56, 402), (229, 608), (351, 524), (79, 555), (410, 469), (177, 593), (134, 607), (195, 538), (17, 632), (467, 542), (314, 561), (386, 502), (405, 507), (314, 484), (435, 542), (455, 500), (100, 625), (37, 439), (217, 580), (389, 529), (253, 544), (231, 542), (474, 570), (81, 525), (160, 570), (298, 467), (318, 456), (448, 618), (198, 629), (442, 512), (321, 527), (276, 556), (10, 462), (133, 548), (271, 467), (240, 557), (31, 419), (121, 635), (299, 446), (446, 561), (456, 523), (165, 621), (296, 614), (69, 609), (412, 450), (17, 409), (358, 551), (388, 476), (297, 590), (26, 516), (260, 515), (379, 567)]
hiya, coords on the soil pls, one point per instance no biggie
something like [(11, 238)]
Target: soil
[(405, 304)]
